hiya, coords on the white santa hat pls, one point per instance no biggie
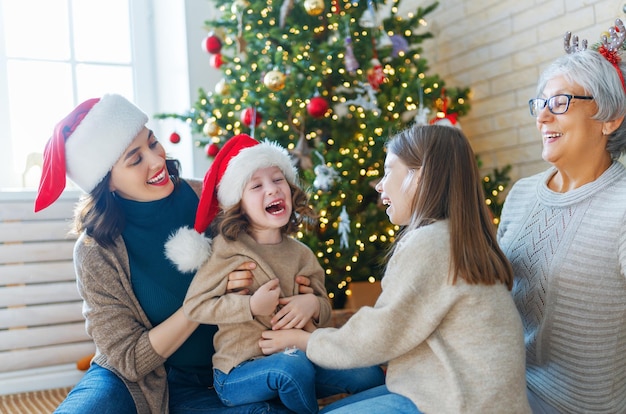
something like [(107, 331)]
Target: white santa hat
[(223, 187), (86, 144)]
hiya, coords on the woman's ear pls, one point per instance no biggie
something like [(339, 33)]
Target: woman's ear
[(610, 126)]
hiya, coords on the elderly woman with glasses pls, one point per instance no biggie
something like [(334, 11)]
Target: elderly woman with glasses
[(564, 232)]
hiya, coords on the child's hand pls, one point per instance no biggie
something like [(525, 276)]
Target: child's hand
[(296, 312), (265, 300), (277, 341)]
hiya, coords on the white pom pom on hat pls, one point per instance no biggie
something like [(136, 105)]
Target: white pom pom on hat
[(86, 144), (223, 187), (187, 249)]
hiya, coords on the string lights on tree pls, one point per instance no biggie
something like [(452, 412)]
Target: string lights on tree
[(330, 80)]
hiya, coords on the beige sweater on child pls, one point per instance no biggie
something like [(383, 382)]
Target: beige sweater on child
[(238, 335)]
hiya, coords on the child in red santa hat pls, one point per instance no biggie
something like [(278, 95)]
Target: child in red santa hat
[(252, 203)]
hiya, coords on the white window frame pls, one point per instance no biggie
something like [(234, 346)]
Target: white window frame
[(141, 62), (168, 68)]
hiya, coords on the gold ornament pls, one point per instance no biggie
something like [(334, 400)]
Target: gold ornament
[(211, 128), (222, 88), (314, 7), (274, 80)]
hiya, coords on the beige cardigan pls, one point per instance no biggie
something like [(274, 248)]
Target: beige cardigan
[(118, 324), (451, 348), (238, 331)]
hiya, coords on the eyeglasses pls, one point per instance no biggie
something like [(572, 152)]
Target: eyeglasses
[(557, 104)]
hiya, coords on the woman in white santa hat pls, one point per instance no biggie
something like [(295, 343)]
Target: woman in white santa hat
[(150, 358)]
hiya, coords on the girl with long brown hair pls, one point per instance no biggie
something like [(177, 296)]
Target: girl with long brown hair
[(445, 321)]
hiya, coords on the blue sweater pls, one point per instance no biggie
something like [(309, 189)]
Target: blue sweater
[(158, 285)]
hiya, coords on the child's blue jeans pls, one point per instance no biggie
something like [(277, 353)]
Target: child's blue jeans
[(294, 379)]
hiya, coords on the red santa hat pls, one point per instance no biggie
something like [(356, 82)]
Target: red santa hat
[(222, 188), (86, 144)]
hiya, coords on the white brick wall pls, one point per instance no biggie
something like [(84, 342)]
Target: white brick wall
[(498, 49)]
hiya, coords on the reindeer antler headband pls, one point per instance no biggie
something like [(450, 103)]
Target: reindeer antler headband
[(608, 47)]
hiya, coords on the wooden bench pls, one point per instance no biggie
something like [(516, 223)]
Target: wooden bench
[(42, 330)]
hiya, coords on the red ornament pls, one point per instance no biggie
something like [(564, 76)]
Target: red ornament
[(174, 138), (216, 60), (317, 107), (211, 149), (250, 114), (375, 74), (212, 44)]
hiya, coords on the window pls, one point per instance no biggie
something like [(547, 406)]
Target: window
[(55, 54)]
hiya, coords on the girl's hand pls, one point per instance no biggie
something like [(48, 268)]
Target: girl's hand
[(296, 311), (240, 279), (265, 300), (277, 341)]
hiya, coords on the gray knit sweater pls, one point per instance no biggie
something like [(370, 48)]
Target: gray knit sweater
[(568, 252), (451, 349)]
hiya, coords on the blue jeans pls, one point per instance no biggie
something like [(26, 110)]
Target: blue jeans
[(539, 406), (291, 377), (101, 391), (377, 400)]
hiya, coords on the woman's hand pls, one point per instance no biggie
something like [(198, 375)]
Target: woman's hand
[(304, 285), (277, 341), (240, 279)]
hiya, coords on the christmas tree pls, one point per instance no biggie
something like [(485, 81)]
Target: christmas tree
[(330, 80)]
